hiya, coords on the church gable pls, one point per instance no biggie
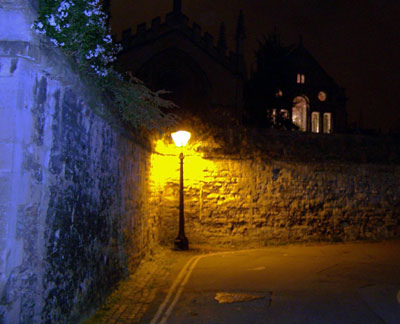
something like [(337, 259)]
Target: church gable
[(302, 62), (290, 85)]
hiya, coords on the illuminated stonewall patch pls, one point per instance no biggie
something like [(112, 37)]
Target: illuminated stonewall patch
[(227, 298)]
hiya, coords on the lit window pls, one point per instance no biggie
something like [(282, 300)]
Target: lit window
[(273, 115), (301, 78), (322, 96), (284, 113), (315, 122), (299, 112), (327, 123)]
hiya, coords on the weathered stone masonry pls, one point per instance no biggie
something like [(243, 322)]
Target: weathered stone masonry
[(73, 194), (82, 200), (255, 199)]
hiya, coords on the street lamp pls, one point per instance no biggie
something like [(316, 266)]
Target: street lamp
[(181, 242)]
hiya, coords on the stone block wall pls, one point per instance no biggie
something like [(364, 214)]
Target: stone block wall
[(250, 199), (83, 199), (73, 193)]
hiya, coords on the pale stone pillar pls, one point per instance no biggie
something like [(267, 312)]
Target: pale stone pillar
[(17, 43)]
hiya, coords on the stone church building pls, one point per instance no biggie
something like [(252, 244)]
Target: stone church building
[(289, 83), (318, 104), (203, 77), (207, 80)]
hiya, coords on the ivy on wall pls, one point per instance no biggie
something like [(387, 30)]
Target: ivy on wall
[(79, 28)]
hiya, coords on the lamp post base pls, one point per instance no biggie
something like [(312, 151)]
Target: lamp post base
[(181, 243)]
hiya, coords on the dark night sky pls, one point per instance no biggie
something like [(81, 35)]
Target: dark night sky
[(356, 41)]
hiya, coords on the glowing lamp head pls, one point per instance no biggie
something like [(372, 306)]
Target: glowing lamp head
[(180, 138)]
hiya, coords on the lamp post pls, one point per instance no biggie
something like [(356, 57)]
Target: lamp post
[(181, 242)]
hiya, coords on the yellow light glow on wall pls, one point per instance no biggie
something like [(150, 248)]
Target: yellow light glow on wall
[(165, 164)]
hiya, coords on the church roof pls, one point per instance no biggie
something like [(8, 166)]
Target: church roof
[(177, 23)]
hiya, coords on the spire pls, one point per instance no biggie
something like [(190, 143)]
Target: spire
[(276, 37), (222, 37), (300, 40), (177, 6), (240, 37), (240, 34)]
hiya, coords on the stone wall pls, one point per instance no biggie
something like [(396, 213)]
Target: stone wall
[(73, 193), (82, 199), (278, 194)]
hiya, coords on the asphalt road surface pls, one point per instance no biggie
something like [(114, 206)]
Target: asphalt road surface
[(340, 283)]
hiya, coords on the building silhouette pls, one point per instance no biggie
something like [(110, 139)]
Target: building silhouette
[(290, 85), (207, 80), (203, 77)]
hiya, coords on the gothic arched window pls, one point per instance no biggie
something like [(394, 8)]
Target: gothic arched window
[(327, 127), (299, 112), (315, 115)]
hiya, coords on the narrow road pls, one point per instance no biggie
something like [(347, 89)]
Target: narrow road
[(340, 283)]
